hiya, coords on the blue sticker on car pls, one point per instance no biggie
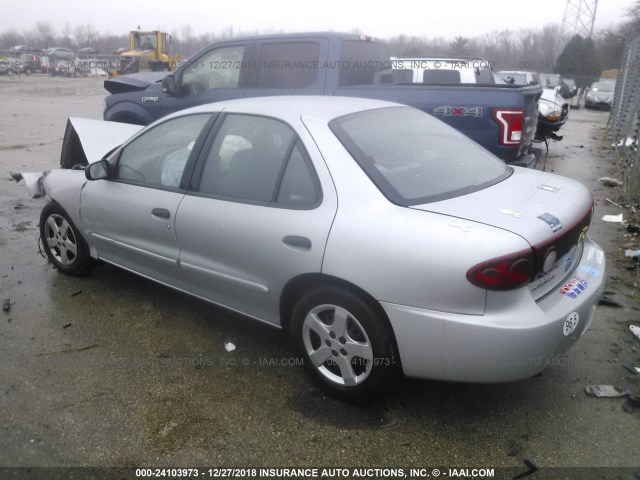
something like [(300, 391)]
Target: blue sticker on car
[(552, 221), (594, 272)]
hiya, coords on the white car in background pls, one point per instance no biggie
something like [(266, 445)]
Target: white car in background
[(444, 70), (553, 108)]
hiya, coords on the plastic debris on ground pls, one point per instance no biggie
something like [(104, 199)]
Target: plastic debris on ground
[(632, 367), (611, 182), (6, 305), (607, 391), (624, 143), (635, 330), (229, 347), (613, 218)]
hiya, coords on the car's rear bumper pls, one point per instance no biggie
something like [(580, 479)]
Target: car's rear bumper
[(516, 338), (605, 105)]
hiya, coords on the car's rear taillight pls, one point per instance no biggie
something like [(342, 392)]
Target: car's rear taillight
[(504, 273), (511, 123)]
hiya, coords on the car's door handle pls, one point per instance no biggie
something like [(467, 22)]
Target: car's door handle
[(161, 213), (297, 242)]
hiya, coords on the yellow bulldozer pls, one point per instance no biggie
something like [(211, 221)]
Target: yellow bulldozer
[(148, 51)]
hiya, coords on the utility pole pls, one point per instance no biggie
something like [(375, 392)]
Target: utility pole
[(579, 18)]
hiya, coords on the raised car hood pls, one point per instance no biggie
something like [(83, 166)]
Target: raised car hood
[(133, 82), (532, 204), (85, 141)]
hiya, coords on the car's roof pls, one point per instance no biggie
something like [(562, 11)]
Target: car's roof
[(293, 107), (297, 35)]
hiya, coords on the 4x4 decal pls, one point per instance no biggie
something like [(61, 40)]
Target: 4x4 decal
[(449, 111)]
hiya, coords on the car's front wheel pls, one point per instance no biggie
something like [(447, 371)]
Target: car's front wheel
[(345, 343), (62, 242)]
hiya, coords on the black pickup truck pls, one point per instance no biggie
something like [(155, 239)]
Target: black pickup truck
[(500, 117)]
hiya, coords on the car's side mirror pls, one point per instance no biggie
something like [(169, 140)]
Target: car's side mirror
[(169, 84), (97, 171)]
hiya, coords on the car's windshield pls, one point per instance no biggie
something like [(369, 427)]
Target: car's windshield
[(145, 41), (414, 158), (604, 87)]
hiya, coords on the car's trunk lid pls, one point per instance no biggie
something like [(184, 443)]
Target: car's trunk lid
[(550, 212)]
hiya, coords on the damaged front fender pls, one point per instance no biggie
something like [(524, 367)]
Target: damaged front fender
[(62, 185), (33, 181)]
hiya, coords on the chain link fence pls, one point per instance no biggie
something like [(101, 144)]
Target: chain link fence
[(624, 117)]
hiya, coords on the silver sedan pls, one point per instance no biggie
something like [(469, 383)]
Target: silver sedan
[(377, 237)]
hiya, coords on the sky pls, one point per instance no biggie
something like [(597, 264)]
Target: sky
[(429, 18)]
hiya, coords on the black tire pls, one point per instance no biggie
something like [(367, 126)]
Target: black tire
[(352, 355), (64, 245)]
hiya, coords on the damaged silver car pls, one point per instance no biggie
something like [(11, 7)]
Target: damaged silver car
[(381, 240)]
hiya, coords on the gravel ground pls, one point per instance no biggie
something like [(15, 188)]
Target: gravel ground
[(111, 370)]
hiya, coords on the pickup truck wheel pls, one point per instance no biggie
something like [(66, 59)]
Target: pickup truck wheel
[(347, 348), (62, 243)]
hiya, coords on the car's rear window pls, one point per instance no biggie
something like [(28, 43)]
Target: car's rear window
[(414, 158)]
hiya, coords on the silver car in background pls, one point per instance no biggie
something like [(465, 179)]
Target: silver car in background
[(378, 238), (600, 95)]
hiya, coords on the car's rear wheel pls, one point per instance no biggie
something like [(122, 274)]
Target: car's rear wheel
[(62, 242), (345, 344)]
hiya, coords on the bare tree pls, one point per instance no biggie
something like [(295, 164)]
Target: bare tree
[(65, 37), (85, 35), (10, 38), (45, 34), (31, 38), (186, 41)]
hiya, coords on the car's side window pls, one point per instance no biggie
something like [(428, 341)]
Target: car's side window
[(219, 68), (288, 65), (158, 157), (259, 159), (299, 186)]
